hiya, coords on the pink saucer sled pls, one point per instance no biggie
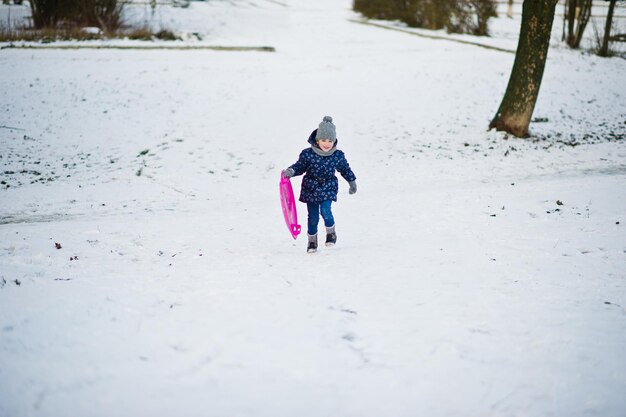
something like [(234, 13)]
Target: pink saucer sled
[(288, 202)]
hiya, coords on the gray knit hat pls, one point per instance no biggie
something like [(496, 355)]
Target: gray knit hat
[(326, 129)]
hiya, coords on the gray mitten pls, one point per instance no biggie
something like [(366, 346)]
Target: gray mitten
[(352, 187), (288, 173)]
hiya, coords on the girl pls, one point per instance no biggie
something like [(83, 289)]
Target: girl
[(320, 185)]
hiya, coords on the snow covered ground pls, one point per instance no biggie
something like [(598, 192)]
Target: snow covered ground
[(474, 275)]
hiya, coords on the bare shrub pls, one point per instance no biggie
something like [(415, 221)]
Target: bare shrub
[(105, 14), (143, 33), (484, 10), (382, 9), (456, 16), (166, 35)]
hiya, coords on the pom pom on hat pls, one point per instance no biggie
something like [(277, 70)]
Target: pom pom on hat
[(326, 129)]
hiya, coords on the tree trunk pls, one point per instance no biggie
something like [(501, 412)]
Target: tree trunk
[(604, 50), (577, 14), (570, 11), (509, 10), (581, 23), (519, 100)]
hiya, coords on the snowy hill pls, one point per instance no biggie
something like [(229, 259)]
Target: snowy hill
[(474, 274)]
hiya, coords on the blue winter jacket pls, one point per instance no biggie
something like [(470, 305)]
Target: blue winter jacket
[(319, 182)]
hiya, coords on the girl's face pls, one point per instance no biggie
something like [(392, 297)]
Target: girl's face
[(325, 144)]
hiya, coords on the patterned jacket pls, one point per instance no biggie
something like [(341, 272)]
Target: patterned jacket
[(319, 182)]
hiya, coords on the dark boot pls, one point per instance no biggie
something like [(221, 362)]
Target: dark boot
[(312, 247), (331, 236)]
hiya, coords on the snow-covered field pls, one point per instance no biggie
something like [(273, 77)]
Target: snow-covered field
[(474, 275)]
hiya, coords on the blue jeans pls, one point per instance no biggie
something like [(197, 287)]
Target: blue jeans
[(314, 215)]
